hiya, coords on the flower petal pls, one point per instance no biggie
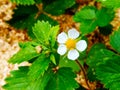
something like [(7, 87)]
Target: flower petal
[(62, 49), (62, 37), (81, 45), (73, 33), (73, 54)]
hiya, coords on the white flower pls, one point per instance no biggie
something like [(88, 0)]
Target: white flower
[(68, 42)]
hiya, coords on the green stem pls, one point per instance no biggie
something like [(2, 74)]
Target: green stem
[(84, 73)]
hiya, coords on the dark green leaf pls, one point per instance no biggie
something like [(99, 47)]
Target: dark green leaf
[(24, 54), (38, 67), (64, 79), (115, 40), (109, 73), (58, 7)]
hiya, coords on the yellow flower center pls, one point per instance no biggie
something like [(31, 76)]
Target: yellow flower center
[(71, 43)]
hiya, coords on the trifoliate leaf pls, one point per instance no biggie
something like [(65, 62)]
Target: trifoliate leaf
[(85, 14), (110, 3), (24, 2), (24, 54), (38, 67), (109, 73), (41, 31), (58, 7), (104, 16), (115, 40), (87, 26), (18, 80), (63, 79)]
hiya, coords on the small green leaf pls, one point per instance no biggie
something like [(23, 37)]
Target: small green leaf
[(41, 31), (115, 40), (87, 26), (109, 73), (24, 2), (52, 58), (58, 7), (24, 54), (38, 67), (63, 79), (85, 14)]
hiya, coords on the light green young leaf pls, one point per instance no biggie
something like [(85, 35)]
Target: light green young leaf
[(24, 54), (109, 73), (24, 2), (53, 34), (110, 3), (38, 67), (63, 79), (41, 31), (115, 40), (52, 58)]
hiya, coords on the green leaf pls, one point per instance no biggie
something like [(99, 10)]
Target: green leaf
[(87, 26), (58, 7), (24, 54), (99, 54), (85, 14), (22, 18), (18, 80), (110, 3), (38, 67), (104, 16), (46, 18), (52, 58), (41, 82), (41, 31), (63, 79), (109, 73), (115, 40), (24, 2)]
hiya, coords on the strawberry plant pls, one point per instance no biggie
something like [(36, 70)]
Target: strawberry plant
[(61, 59)]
